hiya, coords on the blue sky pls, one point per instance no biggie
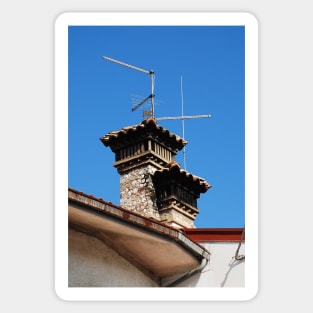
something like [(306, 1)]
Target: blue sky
[(210, 61)]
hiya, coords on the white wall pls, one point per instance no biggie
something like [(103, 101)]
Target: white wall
[(222, 270), (93, 264)]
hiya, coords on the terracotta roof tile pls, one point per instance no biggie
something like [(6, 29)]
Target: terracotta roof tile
[(173, 168), (74, 196), (149, 124)]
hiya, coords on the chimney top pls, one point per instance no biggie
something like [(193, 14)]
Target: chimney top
[(117, 139)]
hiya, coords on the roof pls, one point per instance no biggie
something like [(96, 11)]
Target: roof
[(115, 138), (173, 171), (155, 248), (215, 234)]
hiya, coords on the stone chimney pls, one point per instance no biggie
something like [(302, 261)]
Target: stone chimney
[(177, 192), (145, 159)]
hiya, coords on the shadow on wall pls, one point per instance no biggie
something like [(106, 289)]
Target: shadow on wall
[(232, 264)]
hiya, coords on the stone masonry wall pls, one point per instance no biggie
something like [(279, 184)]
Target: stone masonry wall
[(137, 191), (175, 218)]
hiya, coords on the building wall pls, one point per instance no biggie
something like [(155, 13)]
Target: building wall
[(222, 270), (93, 264)]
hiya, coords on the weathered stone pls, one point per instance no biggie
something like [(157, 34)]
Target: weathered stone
[(141, 195)]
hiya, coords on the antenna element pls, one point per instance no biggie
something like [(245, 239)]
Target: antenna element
[(182, 117), (151, 73)]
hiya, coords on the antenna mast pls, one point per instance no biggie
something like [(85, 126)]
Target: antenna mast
[(182, 117), (151, 73), (183, 120), (151, 113)]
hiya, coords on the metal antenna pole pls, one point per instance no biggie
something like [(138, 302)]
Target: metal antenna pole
[(151, 73), (182, 114), (182, 117), (152, 93)]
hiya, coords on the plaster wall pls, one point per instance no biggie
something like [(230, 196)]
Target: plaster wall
[(92, 264), (222, 270)]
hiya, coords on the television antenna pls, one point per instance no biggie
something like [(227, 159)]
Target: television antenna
[(182, 117), (152, 77), (150, 114)]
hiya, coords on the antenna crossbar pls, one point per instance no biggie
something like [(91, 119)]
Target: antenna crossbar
[(141, 103), (128, 65), (182, 117)]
